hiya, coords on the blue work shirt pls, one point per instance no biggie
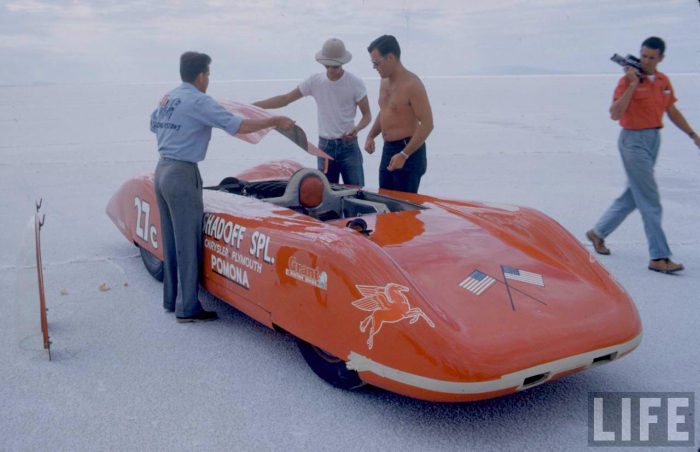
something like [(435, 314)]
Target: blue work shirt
[(183, 121)]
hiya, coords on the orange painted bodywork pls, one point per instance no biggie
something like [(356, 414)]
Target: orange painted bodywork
[(433, 339)]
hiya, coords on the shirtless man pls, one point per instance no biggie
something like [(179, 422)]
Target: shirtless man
[(405, 119)]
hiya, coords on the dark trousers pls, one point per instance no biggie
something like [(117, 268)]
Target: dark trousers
[(406, 179), (178, 190)]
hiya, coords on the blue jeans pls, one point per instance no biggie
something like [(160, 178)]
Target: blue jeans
[(347, 160), (639, 149)]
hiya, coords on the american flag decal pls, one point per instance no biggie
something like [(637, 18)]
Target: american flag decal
[(520, 275), (477, 282)]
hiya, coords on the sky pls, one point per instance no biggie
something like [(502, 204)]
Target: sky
[(136, 41)]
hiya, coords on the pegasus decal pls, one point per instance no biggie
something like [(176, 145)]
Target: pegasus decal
[(387, 305)]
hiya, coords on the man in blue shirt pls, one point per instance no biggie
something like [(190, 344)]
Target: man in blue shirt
[(183, 122)]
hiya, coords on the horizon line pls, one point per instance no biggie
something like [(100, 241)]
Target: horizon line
[(425, 77)]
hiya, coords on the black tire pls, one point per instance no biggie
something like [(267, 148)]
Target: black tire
[(152, 264), (331, 369)]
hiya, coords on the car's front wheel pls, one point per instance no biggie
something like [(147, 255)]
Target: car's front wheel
[(330, 368), (152, 264)]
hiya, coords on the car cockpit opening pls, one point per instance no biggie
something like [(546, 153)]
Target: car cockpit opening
[(309, 192)]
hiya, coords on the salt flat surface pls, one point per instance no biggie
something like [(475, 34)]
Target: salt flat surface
[(126, 376)]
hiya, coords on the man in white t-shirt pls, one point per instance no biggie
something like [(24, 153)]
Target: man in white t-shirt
[(338, 93)]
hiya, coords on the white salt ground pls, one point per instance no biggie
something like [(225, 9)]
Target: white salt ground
[(126, 376)]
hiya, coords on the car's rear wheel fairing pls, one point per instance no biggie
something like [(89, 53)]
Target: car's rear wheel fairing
[(328, 367)]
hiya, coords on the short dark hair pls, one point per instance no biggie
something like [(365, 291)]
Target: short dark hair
[(192, 64), (655, 43), (386, 44)]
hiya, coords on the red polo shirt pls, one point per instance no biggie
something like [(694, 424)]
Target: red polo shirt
[(648, 104)]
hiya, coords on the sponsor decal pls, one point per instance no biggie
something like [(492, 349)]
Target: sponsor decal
[(225, 239), (166, 109), (222, 230), (170, 108), (306, 274), (387, 304), (233, 234), (166, 125), (230, 271), (234, 256), (260, 243)]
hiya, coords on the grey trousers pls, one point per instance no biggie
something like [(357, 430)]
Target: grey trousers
[(639, 150), (178, 190)]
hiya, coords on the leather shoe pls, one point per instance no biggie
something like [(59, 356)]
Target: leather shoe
[(665, 266), (204, 316), (598, 243)]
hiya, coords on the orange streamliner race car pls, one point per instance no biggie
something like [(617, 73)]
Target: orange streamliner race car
[(435, 299)]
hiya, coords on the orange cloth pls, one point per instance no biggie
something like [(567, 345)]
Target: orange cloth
[(648, 104)]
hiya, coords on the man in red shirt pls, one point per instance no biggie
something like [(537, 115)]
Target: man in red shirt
[(639, 104)]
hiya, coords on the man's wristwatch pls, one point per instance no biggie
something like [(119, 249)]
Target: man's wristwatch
[(404, 155), (691, 135)]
